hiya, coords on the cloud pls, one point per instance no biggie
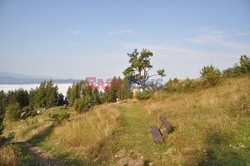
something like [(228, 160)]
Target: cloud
[(74, 32), (122, 32), (211, 36), (242, 33)]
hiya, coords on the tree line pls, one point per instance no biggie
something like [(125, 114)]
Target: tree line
[(84, 96), (19, 104)]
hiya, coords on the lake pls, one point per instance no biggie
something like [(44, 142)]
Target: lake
[(62, 88)]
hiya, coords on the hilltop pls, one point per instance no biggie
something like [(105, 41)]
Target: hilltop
[(211, 126)]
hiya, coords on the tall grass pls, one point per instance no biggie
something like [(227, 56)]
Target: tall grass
[(8, 156), (211, 127), (204, 120), (84, 133)]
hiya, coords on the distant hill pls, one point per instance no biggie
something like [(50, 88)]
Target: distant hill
[(12, 78)]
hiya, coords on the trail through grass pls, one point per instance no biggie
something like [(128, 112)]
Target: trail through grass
[(136, 139)]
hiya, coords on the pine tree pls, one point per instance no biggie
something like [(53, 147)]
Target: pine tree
[(127, 92), (97, 98), (61, 100), (41, 95), (106, 94), (113, 90)]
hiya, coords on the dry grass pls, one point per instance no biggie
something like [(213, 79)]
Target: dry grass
[(203, 119), (8, 156), (80, 135), (211, 127)]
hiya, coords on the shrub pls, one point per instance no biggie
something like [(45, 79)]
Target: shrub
[(210, 75), (83, 104), (177, 85), (232, 71), (145, 94), (172, 85), (189, 85), (59, 117), (238, 70)]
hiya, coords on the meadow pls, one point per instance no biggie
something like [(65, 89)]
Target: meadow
[(210, 127)]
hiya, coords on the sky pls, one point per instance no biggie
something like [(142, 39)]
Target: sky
[(78, 39)]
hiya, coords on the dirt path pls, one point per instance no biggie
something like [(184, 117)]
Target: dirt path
[(136, 139), (41, 157)]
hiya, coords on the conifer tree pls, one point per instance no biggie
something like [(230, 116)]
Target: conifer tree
[(139, 68), (113, 90), (97, 99)]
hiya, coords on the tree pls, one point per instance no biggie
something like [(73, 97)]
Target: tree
[(124, 90), (106, 94), (112, 96), (22, 97), (13, 112), (120, 89), (61, 100), (3, 103), (1, 118), (139, 68), (51, 94), (32, 98), (238, 70), (97, 99), (244, 64), (41, 95), (210, 74), (76, 91)]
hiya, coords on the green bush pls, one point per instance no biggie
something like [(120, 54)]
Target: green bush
[(232, 72), (13, 112), (189, 85), (176, 85), (145, 94), (173, 85), (83, 104), (59, 117), (210, 75), (238, 70)]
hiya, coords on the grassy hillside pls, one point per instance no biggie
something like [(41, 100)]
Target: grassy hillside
[(211, 127)]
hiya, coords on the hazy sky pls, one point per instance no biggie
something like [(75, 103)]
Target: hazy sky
[(76, 39)]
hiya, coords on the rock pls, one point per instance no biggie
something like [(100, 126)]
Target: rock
[(138, 162), (169, 151), (130, 162), (123, 162), (120, 154), (188, 151)]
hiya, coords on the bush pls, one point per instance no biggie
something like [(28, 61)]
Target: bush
[(145, 94), (172, 85), (176, 85), (189, 85), (232, 72), (59, 117), (13, 112), (238, 70), (83, 104), (210, 75)]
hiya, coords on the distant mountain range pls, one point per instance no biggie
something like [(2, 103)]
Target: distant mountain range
[(12, 78)]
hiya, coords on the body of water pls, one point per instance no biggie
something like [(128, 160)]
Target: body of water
[(62, 88)]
